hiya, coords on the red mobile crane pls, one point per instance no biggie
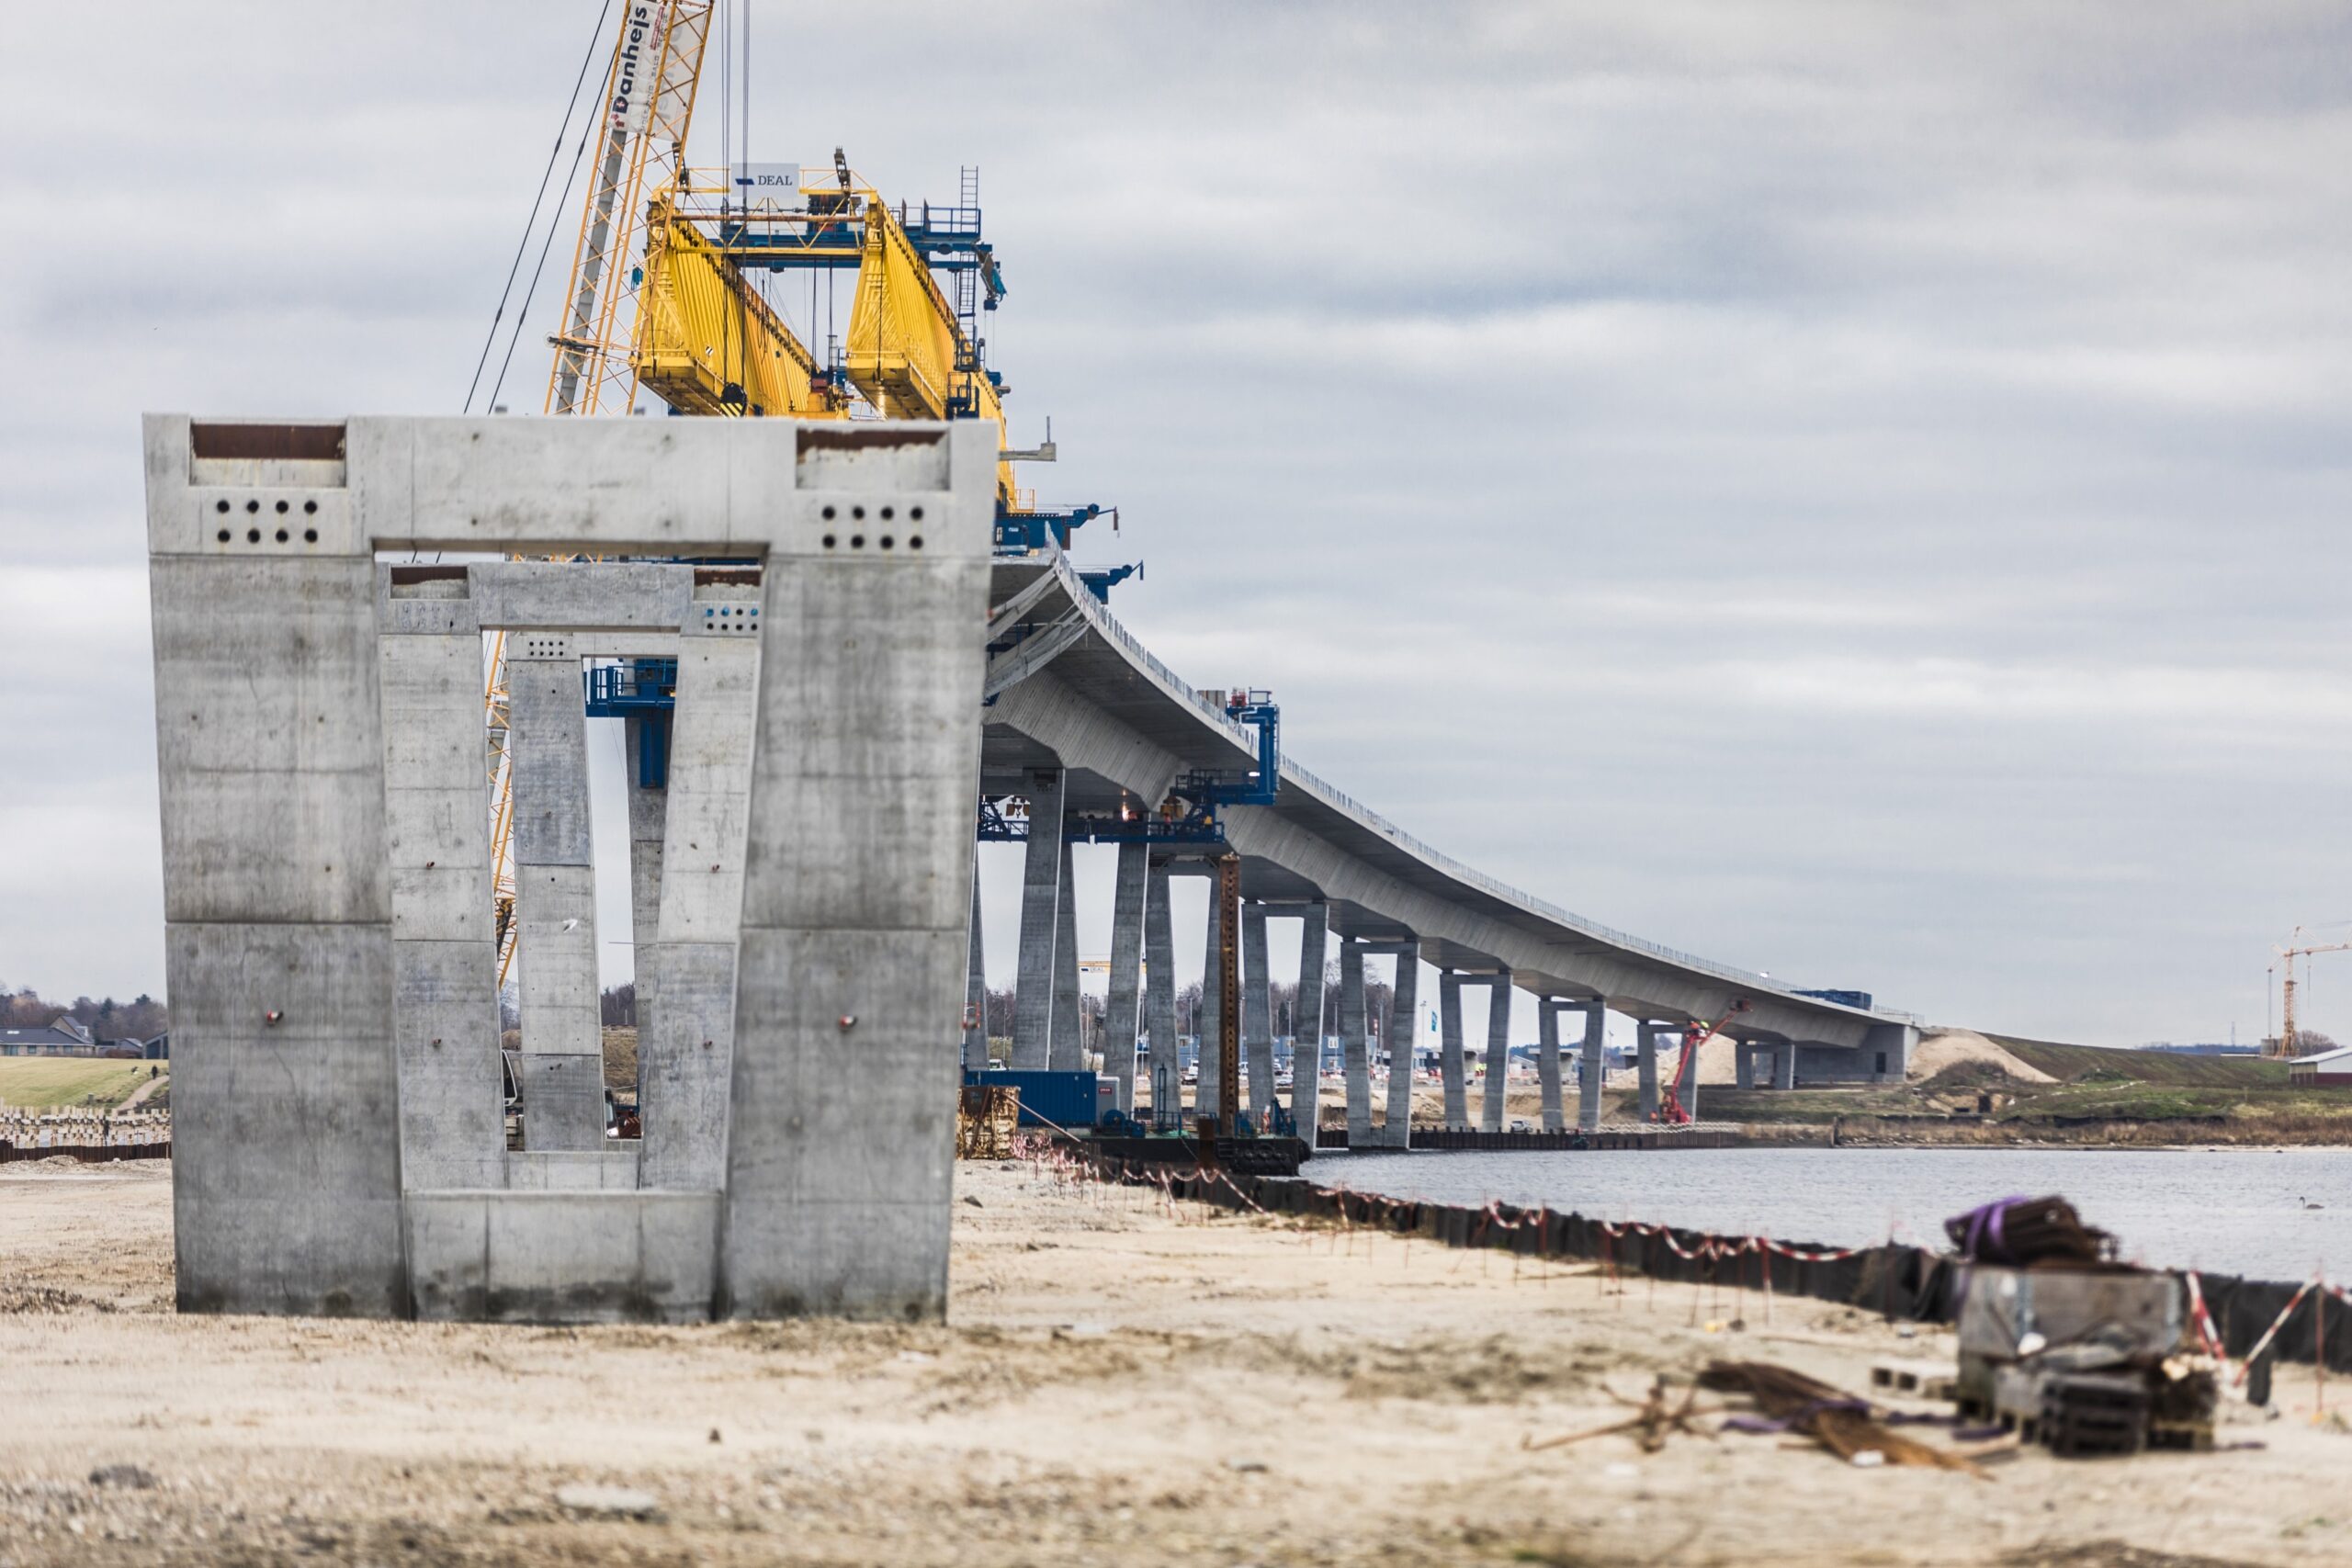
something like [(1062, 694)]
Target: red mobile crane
[(1686, 1067)]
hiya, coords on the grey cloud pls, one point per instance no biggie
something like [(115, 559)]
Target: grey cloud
[(1852, 489)]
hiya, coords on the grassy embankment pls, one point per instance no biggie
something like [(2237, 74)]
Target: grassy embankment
[(56, 1083), (2098, 1095)]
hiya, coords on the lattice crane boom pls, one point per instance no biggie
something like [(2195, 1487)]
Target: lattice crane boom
[(649, 106)]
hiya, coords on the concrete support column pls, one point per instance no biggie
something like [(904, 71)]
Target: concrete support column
[(445, 953), (278, 942), (1307, 1024), (1160, 996), (1354, 1051), (686, 1062), (1547, 1063), (1122, 1014), (1450, 1066), (1257, 1016), (1041, 903), (1066, 1045), (1208, 1094), (1689, 1055), (562, 1066), (1593, 1067), (1497, 1047), (1743, 1070), (1645, 1056), (1784, 1065), (842, 1137), (1400, 1032), (649, 809), (975, 991)]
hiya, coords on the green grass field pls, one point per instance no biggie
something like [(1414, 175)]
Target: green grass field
[(2092, 1064), (51, 1083)]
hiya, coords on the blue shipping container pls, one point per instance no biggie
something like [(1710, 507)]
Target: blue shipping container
[(1059, 1099)]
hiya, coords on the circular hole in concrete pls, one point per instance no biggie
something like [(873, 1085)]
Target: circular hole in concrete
[(829, 514), (220, 506), (915, 512), (282, 508), (253, 535), (309, 536), (857, 511), (888, 514), (858, 541), (253, 506), (888, 541), (310, 507), (224, 533), (914, 541), (829, 541), (281, 535)]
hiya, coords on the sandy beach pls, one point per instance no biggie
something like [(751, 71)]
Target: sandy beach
[(1118, 1382)]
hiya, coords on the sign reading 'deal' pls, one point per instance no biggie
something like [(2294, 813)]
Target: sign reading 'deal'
[(769, 188), (634, 82)]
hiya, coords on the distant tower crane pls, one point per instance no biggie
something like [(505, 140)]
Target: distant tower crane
[(2286, 1043)]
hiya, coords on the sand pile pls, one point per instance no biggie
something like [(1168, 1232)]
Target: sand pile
[(1942, 1048)]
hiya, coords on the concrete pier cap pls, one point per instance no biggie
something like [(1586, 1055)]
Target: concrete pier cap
[(317, 915)]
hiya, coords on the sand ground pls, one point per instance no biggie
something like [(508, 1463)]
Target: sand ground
[(1118, 1385)]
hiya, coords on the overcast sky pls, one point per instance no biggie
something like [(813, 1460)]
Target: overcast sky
[(1856, 491)]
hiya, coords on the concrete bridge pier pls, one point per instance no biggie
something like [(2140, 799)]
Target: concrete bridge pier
[(1592, 1067), (1159, 994), (1307, 1023), (1257, 1016), (649, 813), (1497, 1047), (1645, 1031), (1041, 904), (1687, 1087), (1450, 1067), (975, 991), (445, 953), (1743, 1059), (685, 1060), (1121, 1008), (1066, 1045), (1399, 1034), (1355, 1052), (1547, 1063), (1784, 1065), (562, 1062)]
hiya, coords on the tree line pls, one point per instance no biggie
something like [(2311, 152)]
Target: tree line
[(142, 1018)]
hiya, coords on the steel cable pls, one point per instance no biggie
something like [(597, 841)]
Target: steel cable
[(490, 339)]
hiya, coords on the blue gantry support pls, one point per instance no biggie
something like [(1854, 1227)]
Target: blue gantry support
[(644, 689), (1190, 815), (1102, 579), (1019, 533)]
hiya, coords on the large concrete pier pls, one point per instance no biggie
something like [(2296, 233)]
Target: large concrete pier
[(326, 881)]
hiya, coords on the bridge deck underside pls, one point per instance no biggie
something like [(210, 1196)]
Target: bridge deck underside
[(1124, 728)]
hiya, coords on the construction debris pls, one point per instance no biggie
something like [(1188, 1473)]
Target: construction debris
[(1654, 1420), (1792, 1402), (986, 1116), (2027, 1232)]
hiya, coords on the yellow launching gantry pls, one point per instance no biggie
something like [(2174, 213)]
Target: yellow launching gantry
[(708, 341)]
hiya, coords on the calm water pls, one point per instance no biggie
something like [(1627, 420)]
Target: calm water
[(2232, 1212)]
